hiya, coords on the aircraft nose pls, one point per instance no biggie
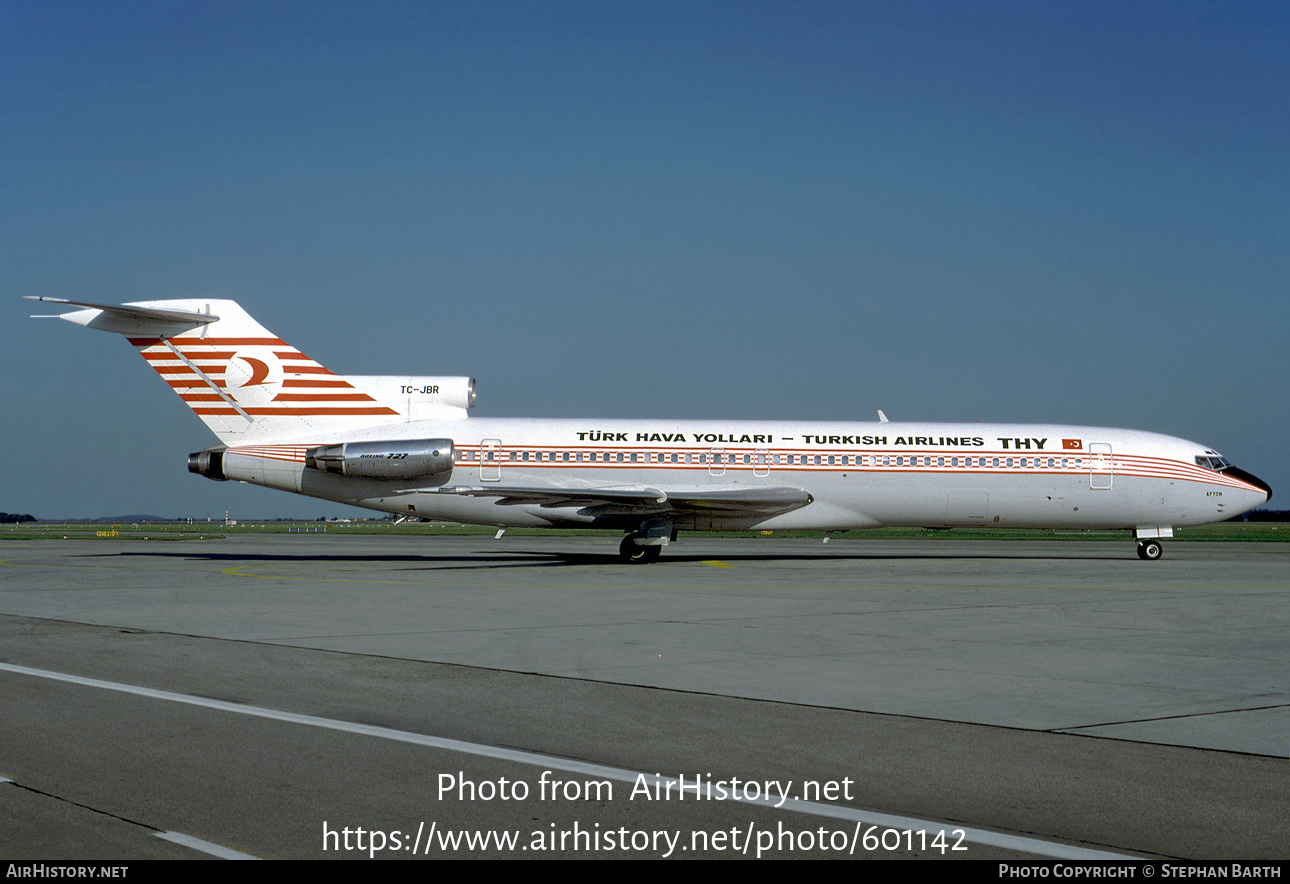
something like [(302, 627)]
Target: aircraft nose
[(1252, 479)]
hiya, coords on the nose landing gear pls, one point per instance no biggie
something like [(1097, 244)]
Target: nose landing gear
[(1149, 550), (1149, 537)]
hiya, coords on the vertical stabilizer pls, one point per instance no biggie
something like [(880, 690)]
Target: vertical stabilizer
[(244, 382)]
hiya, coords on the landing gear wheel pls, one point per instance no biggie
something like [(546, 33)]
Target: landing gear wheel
[(1150, 550), (630, 551)]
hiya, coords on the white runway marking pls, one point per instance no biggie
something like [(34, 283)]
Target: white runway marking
[(206, 847), (1034, 846)]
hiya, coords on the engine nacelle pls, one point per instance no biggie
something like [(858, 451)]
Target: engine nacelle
[(208, 463), (430, 459)]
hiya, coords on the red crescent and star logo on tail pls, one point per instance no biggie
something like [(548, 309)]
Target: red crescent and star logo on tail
[(250, 371)]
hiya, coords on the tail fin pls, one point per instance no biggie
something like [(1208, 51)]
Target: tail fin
[(244, 382)]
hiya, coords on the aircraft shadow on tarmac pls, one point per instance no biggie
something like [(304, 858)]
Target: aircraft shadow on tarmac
[(521, 558)]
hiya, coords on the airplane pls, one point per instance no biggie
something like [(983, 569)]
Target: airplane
[(406, 445)]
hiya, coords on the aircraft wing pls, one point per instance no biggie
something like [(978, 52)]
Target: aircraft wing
[(551, 498), (735, 501), (728, 501)]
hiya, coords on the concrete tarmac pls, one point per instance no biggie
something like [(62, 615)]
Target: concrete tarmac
[(1063, 692)]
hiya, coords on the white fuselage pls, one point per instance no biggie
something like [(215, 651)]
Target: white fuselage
[(859, 475)]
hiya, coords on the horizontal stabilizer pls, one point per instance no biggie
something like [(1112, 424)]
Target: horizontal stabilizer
[(127, 319)]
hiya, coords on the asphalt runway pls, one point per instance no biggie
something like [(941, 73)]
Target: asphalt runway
[(261, 695)]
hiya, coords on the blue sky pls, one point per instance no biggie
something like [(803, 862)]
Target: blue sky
[(1030, 211)]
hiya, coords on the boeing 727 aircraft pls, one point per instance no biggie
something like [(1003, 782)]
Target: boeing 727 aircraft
[(406, 445)]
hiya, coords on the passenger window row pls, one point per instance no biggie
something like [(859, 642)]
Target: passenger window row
[(762, 458)]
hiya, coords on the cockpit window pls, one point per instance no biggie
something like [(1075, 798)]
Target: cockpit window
[(1215, 462)]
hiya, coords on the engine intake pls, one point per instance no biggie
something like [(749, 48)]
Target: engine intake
[(399, 459)]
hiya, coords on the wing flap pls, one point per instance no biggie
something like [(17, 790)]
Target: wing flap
[(554, 498), (726, 501), (736, 501)]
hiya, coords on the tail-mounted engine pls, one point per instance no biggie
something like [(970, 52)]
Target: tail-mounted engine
[(208, 463), (429, 459)]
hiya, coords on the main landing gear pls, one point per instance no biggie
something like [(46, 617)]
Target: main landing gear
[(1149, 550), (633, 553), (646, 543)]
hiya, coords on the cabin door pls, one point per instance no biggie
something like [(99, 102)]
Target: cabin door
[(1100, 465)]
